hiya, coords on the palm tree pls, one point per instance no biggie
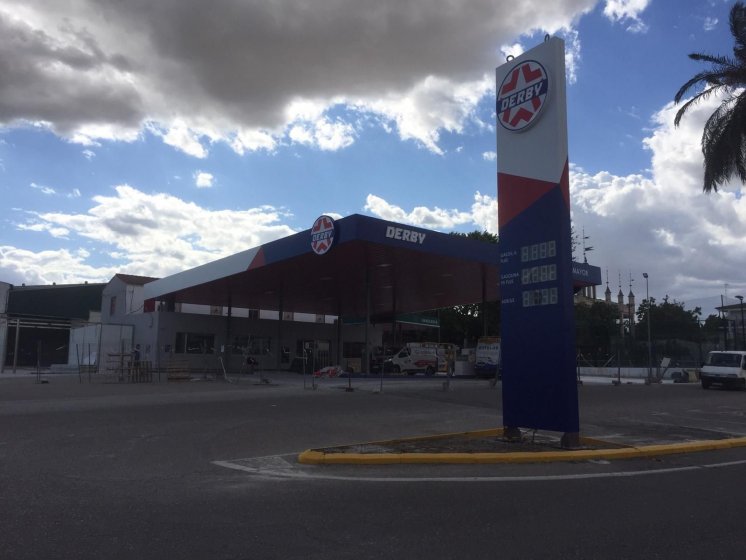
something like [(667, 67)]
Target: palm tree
[(724, 135)]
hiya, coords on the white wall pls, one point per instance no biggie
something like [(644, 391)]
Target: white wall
[(130, 300), (161, 332), (98, 344)]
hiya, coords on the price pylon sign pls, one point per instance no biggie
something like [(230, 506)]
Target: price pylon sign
[(533, 192)]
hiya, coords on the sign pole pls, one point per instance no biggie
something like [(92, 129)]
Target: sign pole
[(538, 324)]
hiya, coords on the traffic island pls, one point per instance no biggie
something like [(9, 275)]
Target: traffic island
[(492, 446)]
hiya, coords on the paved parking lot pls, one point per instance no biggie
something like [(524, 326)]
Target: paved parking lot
[(149, 471)]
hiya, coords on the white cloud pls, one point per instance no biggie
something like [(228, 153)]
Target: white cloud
[(301, 134), (432, 106), (252, 141), (654, 223), (435, 218), (148, 234), (572, 54), (484, 212), (572, 51), (43, 189), (180, 136), (514, 50), (121, 68), (334, 136), (489, 156), (203, 180), (710, 23), (323, 134), (50, 191), (41, 226), (482, 215), (88, 154), (627, 11), (44, 267), (89, 134)]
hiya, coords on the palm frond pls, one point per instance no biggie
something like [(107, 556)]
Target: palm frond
[(701, 96), (724, 143), (724, 134), (703, 78), (738, 30), (713, 59)]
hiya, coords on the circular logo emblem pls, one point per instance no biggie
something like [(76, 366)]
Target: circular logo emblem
[(522, 95), (322, 235)]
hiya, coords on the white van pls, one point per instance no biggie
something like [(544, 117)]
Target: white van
[(414, 357), (724, 367), (487, 357)]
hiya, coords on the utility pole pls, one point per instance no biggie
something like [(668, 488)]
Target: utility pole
[(650, 338)]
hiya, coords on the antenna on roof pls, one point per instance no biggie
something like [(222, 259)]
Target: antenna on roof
[(586, 248)]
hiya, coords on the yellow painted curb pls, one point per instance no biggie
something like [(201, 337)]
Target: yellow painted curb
[(315, 457)]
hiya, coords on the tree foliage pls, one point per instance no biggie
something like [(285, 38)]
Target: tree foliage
[(596, 327), (724, 135), (464, 324), (669, 320)]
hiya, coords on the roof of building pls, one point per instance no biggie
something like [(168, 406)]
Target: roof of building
[(133, 280), (376, 265), (66, 301), (730, 307)]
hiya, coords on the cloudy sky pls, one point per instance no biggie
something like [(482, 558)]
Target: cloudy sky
[(149, 137)]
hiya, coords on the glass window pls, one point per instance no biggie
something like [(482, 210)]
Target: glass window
[(724, 360), (194, 343), (353, 349), (260, 345), (240, 343)]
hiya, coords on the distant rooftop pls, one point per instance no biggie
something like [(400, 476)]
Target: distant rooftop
[(69, 301), (133, 280)]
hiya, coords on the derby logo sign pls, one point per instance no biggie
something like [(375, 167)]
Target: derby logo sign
[(322, 235), (522, 95)]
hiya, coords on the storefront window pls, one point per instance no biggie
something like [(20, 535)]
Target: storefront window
[(260, 345), (240, 343), (194, 343)]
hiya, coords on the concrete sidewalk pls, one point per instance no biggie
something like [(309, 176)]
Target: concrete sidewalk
[(489, 447)]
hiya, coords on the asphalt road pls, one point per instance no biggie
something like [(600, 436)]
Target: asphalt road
[(207, 470)]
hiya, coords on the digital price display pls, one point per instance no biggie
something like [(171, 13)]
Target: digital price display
[(545, 273), (539, 274), (547, 249)]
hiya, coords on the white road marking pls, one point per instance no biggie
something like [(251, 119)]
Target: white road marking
[(277, 467)]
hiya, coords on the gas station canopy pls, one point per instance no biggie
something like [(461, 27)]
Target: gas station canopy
[(349, 267)]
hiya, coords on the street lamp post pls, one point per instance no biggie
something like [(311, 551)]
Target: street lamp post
[(743, 331), (650, 339)]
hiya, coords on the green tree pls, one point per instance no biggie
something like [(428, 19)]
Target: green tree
[(712, 325), (596, 327), (485, 236), (713, 328), (675, 331), (669, 320), (724, 135), (466, 323)]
